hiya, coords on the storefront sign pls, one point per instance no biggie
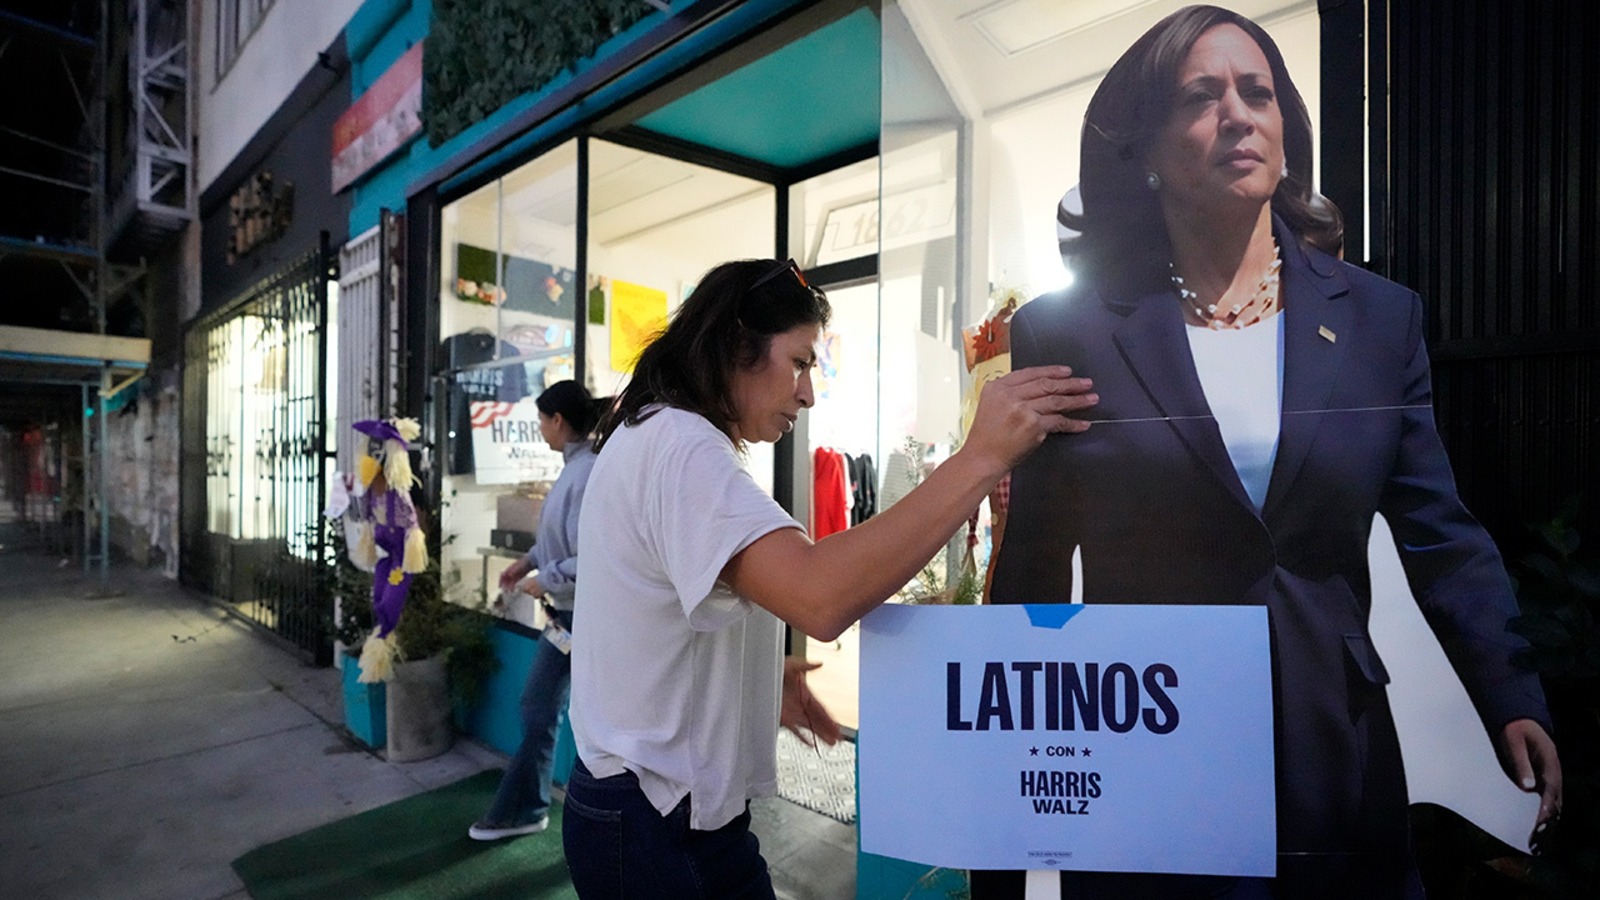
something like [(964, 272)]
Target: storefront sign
[(385, 117), (506, 445), (259, 211), (1093, 738)]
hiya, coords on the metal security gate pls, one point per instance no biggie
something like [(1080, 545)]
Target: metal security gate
[(256, 452), (1495, 217), (366, 333)]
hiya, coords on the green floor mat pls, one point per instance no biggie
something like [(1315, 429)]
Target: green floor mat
[(412, 849)]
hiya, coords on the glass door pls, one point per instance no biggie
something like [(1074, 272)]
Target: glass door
[(846, 446)]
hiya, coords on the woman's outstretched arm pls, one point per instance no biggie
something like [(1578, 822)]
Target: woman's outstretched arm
[(822, 588)]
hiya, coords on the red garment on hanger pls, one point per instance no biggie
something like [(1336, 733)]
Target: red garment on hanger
[(828, 505)]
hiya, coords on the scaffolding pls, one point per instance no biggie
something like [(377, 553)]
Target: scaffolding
[(156, 199), (154, 202)]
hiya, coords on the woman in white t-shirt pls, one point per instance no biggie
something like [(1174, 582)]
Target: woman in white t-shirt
[(678, 679)]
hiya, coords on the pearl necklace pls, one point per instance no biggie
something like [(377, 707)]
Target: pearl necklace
[(1261, 305)]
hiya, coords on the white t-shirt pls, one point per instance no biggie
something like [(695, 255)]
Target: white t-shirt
[(1241, 372), (675, 677)]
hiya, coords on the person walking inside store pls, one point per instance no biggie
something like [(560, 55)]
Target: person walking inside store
[(678, 680), (567, 418), (1261, 402)]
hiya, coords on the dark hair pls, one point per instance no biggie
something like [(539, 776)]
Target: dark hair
[(572, 402), (1121, 232), (726, 324)]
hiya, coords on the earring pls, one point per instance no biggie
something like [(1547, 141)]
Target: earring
[(1152, 181), (1285, 172)]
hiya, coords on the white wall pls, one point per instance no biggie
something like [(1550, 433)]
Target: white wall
[(284, 47), (143, 487)]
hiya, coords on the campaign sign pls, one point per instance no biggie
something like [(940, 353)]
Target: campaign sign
[(507, 447), (1095, 738)]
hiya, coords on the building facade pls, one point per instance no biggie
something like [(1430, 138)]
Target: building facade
[(487, 221), (257, 386)]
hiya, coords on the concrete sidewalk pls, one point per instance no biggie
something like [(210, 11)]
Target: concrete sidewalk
[(148, 739)]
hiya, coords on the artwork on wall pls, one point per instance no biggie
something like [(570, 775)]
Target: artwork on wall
[(597, 299), (529, 285), (828, 353), (637, 313)]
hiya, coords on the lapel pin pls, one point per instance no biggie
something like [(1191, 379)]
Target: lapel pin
[(1327, 335)]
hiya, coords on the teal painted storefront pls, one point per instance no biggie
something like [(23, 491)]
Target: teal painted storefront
[(497, 720), (764, 128), (365, 706), (741, 113), (766, 110)]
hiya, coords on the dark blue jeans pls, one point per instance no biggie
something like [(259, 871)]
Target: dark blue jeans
[(524, 794), (618, 846)]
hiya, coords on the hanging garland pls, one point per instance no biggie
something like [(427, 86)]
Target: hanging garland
[(482, 54)]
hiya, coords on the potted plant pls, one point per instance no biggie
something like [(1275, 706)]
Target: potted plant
[(444, 659)]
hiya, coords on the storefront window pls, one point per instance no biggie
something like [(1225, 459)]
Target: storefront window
[(925, 276), (509, 260), (655, 226), (508, 311), (887, 380), (835, 215)]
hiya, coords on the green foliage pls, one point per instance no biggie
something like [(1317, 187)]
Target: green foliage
[(1560, 599), (1558, 591), (429, 625), (930, 586), (349, 585), (482, 54), (291, 586)]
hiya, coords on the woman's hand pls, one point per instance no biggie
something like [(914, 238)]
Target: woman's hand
[(1017, 411), (801, 707), (514, 573), (822, 588), (1529, 756), (531, 586)]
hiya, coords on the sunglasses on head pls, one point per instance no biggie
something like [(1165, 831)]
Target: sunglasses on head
[(788, 266)]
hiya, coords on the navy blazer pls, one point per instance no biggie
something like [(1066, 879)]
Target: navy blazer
[(1151, 498)]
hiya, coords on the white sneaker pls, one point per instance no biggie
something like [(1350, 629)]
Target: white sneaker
[(483, 831)]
